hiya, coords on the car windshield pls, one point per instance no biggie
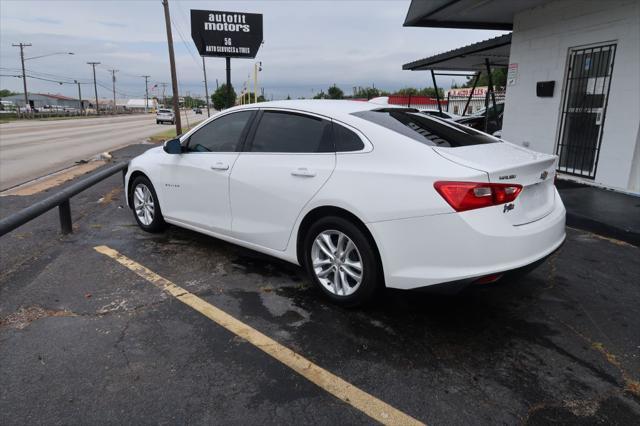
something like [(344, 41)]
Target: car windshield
[(164, 111), (427, 129)]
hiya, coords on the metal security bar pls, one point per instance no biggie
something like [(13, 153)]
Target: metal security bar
[(584, 108), (61, 200)]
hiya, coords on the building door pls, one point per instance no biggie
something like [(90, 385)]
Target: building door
[(584, 107)]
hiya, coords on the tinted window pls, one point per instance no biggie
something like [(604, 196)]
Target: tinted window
[(164, 111), (426, 129), (345, 139), (221, 135), (287, 132)]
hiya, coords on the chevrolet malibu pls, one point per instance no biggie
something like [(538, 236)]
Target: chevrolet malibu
[(362, 196)]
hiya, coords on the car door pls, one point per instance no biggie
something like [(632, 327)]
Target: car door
[(196, 182), (288, 158)]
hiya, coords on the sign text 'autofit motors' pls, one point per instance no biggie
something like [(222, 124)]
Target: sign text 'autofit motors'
[(226, 34)]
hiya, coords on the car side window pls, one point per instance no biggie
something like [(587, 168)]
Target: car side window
[(345, 139), (220, 135), (280, 131)]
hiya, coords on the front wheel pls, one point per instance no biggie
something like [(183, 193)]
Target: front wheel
[(341, 260), (146, 208)]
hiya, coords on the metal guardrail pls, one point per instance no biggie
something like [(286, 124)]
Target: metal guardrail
[(61, 200)]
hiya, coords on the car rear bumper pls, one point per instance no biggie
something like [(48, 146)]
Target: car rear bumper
[(446, 248)]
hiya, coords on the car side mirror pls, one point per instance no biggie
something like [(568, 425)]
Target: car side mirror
[(173, 146)]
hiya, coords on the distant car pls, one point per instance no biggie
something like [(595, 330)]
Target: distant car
[(365, 196), (444, 114), (477, 120), (197, 111), (165, 116)]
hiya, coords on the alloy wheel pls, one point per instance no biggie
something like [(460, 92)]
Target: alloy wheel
[(143, 204), (337, 263)]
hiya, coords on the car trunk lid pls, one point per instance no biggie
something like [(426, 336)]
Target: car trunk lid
[(504, 162)]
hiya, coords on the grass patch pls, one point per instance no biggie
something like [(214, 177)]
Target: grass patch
[(169, 133)]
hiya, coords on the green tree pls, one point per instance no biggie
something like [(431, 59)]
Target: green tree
[(334, 92), (4, 93), (321, 95), (498, 77), (288, 97), (407, 91), (369, 92), (431, 92), (219, 98)]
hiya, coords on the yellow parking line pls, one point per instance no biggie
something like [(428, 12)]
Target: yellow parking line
[(368, 404)]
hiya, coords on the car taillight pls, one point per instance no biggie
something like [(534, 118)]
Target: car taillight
[(464, 196)]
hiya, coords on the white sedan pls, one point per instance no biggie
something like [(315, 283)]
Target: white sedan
[(364, 196)]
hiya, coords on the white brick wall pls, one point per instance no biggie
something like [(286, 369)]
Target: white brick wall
[(540, 44)]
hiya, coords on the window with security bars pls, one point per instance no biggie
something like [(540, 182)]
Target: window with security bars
[(584, 107)]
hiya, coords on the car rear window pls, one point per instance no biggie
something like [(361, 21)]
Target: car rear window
[(164, 111), (429, 130)]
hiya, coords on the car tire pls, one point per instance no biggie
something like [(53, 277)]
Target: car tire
[(157, 121), (145, 205), (341, 285)]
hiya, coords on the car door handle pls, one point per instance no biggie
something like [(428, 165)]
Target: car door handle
[(220, 166), (303, 172)]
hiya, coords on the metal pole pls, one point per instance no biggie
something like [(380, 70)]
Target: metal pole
[(24, 75), (146, 93), (433, 77), (172, 62), (64, 212), (79, 95), (229, 102), (95, 87), (491, 91), (255, 82), (113, 82), (206, 88), (473, 89)]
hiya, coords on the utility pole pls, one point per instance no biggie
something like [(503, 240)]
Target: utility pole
[(95, 87), (229, 100), (79, 95), (206, 88), (113, 82), (172, 62), (164, 98), (24, 75), (146, 93)]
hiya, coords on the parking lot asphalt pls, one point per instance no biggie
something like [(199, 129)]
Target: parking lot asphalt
[(84, 339)]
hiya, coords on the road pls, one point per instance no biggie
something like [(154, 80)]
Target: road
[(31, 149)]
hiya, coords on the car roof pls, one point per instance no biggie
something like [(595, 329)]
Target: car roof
[(327, 107)]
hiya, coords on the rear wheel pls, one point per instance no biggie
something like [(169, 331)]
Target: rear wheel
[(342, 261), (146, 208)]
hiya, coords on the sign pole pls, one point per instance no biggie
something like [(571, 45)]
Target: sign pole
[(229, 101), (206, 88)]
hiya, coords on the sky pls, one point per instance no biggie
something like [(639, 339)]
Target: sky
[(308, 46)]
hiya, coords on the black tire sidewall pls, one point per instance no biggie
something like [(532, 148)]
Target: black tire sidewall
[(158, 223), (372, 276)]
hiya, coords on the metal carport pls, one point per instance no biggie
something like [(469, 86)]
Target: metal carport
[(466, 61)]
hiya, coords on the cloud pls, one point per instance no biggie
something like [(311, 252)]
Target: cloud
[(112, 24), (307, 45)]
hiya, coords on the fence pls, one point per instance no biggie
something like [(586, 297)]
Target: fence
[(456, 104), (60, 200)]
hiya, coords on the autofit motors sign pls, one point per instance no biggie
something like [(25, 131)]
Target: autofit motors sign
[(226, 34)]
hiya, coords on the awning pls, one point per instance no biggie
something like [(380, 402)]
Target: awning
[(469, 58), (471, 14)]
